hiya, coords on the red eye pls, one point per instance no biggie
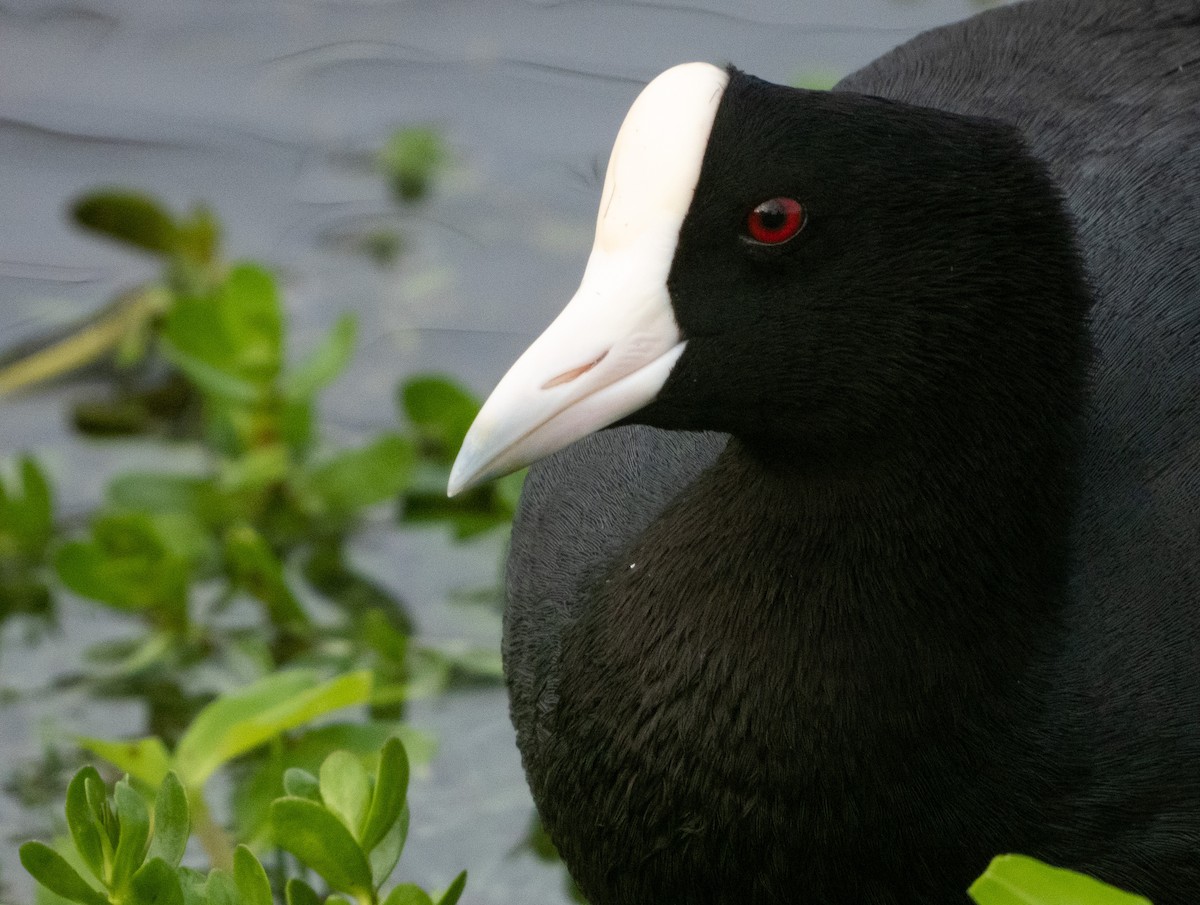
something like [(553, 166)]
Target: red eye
[(774, 222)]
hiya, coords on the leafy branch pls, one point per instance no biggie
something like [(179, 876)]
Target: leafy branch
[(348, 826)]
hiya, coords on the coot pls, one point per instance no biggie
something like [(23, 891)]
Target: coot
[(891, 559)]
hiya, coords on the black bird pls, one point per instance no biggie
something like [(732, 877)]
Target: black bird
[(891, 562)]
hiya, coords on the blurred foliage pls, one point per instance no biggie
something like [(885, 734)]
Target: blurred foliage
[(26, 530), (440, 413), (261, 527), (816, 79), (239, 570), (410, 160)]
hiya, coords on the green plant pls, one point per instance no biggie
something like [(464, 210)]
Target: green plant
[(131, 858), (264, 513), (237, 564), (440, 413), (410, 160), (1018, 880), (348, 826), (816, 79), (269, 492), (127, 331), (227, 728), (26, 530), (269, 505)]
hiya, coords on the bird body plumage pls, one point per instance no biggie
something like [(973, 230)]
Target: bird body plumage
[(937, 597)]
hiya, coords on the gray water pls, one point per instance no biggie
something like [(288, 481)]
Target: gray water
[(270, 111)]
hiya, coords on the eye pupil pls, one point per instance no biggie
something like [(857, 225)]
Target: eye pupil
[(773, 216), (775, 221)]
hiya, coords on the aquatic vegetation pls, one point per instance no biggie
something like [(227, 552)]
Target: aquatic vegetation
[(264, 518), (26, 530), (236, 565), (347, 824), (411, 160)]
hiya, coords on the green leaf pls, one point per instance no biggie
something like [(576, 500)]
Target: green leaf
[(321, 841), (238, 722), (362, 477), (193, 328), (297, 892), (382, 246), (146, 759), (134, 819), (477, 662), (380, 617), (468, 514), (387, 851), (253, 320), (817, 79), (441, 411), (508, 489), (346, 789), (391, 788), (86, 830), (30, 517), (51, 869), (301, 784), (250, 878), (221, 889), (132, 218), (229, 342), (408, 894), (258, 786), (256, 469), (454, 890), (1018, 880), (210, 379), (429, 674), (325, 363), (254, 567), (199, 237), (195, 886), (161, 492), (296, 419), (410, 159), (377, 632), (97, 797), (183, 536), (126, 658), (172, 821), (128, 565), (155, 883)]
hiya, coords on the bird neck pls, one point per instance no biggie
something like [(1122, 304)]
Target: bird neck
[(943, 561)]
